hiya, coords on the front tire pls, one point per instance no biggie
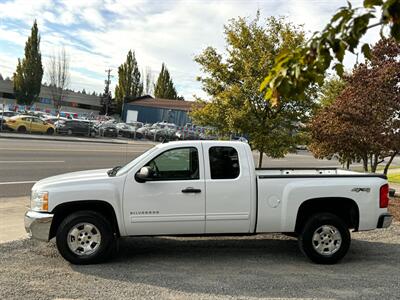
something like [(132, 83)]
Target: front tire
[(85, 237), (325, 238)]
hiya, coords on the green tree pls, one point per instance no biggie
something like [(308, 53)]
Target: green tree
[(129, 82), (164, 87), (331, 89), (232, 80), (29, 73), (293, 71)]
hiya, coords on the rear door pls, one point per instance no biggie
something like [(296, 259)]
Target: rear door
[(27, 123), (228, 186), (37, 125), (173, 202)]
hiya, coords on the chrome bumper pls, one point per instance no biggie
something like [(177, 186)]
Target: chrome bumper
[(385, 221), (37, 224)]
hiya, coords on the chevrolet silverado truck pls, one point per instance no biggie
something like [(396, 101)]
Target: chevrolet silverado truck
[(205, 188)]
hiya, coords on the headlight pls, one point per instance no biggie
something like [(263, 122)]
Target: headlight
[(40, 201)]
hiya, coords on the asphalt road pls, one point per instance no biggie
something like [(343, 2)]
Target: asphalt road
[(23, 162)]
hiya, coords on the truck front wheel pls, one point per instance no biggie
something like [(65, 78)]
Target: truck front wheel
[(325, 238), (85, 237)]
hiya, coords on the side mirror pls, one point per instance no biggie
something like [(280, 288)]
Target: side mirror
[(145, 174)]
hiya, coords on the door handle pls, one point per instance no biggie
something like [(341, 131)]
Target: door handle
[(191, 190)]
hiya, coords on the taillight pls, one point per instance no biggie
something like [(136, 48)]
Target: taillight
[(384, 196)]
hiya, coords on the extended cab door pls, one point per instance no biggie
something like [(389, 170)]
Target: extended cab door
[(228, 186), (173, 202)]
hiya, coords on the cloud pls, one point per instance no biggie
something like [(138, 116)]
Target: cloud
[(98, 34)]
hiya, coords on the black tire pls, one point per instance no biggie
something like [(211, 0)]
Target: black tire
[(50, 131), (69, 132), (105, 246), (21, 129), (307, 245)]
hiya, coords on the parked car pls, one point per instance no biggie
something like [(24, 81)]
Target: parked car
[(187, 135), (76, 127), (126, 130), (108, 130), (144, 130), (4, 115), (205, 188), (9, 114), (136, 124), (25, 123), (53, 119)]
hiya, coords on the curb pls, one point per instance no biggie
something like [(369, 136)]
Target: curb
[(28, 137)]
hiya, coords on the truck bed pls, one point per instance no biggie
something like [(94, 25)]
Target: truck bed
[(310, 172)]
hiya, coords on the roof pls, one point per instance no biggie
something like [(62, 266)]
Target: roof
[(163, 103), (6, 86)]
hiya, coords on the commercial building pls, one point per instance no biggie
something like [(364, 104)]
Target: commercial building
[(147, 109), (73, 102)]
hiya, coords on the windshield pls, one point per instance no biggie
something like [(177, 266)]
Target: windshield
[(131, 164)]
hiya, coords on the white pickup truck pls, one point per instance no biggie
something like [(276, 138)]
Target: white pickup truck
[(204, 188)]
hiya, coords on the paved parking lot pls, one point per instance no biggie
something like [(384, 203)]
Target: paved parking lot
[(264, 266)]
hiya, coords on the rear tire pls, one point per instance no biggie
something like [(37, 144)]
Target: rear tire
[(21, 129), (325, 238), (69, 132), (85, 237), (50, 131)]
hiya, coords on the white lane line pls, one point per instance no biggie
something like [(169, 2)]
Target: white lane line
[(30, 161), (16, 182)]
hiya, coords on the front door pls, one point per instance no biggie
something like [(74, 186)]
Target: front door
[(173, 202)]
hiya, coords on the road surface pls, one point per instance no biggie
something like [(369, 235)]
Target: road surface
[(23, 162)]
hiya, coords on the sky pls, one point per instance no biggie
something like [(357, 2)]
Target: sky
[(97, 34)]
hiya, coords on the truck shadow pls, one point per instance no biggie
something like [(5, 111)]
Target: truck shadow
[(247, 267)]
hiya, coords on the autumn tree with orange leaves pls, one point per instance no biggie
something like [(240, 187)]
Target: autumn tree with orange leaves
[(363, 123)]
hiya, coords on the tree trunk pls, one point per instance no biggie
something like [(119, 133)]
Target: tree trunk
[(374, 162), (260, 159), (385, 170), (365, 163), (348, 164)]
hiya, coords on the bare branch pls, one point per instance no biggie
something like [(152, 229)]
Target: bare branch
[(58, 76)]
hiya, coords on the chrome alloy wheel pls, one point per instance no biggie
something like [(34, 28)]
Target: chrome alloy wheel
[(326, 240), (84, 239)]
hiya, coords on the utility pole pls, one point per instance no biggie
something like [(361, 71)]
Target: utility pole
[(106, 98)]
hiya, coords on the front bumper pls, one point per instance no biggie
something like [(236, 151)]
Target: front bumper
[(384, 221), (37, 224)]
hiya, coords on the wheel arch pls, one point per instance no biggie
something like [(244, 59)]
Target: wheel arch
[(62, 210), (345, 208)]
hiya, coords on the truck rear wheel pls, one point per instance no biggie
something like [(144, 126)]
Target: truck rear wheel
[(325, 238), (85, 237)]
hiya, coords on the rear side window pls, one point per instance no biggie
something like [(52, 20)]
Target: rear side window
[(224, 163)]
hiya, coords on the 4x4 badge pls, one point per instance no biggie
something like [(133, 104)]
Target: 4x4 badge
[(357, 190)]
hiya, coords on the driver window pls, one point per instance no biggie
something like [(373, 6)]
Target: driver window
[(176, 164)]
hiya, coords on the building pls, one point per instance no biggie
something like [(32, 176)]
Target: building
[(147, 109), (73, 102)]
